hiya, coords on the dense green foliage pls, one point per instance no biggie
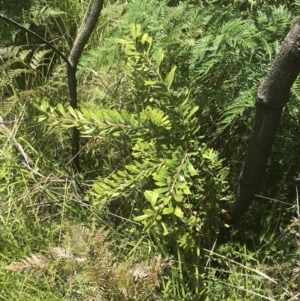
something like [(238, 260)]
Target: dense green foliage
[(167, 92)]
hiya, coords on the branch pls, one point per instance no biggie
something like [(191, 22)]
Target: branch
[(32, 33), (18, 146), (83, 37)]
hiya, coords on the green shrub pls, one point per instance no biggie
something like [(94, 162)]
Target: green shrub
[(173, 183)]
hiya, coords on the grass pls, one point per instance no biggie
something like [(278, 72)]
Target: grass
[(54, 247)]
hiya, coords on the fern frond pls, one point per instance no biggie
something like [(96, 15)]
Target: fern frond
[(245, 100), (23, 55), (38, 59), (13, 73), (296, 89), (8, 52), (60, 253), (42, 14), (29, 264)]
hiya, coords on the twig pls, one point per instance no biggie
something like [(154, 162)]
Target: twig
[(240, 264), (18, 146), (30, 32), (211, 251)]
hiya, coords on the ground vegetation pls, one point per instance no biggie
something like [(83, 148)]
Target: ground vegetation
[(166, 101)]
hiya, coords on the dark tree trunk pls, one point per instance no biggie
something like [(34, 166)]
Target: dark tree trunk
[(272, 96), (73, 59)]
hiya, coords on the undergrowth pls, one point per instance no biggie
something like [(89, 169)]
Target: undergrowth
[(167, 93)]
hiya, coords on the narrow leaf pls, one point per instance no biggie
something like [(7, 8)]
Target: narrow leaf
[(170, 77), (166, 232), (144, 38), (148, 212), (151, 196), (140, 218), (159, 57)]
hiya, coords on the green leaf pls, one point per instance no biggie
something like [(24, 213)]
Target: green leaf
[(135, 30), (42, 118), (170, 77), (178, 212), (178, 197), (194, 110), (162, 190), (133, 53), (150, 82), (124, 42), (148, 212), (61, 109), (149, 41), (73, 112), (144, 38), (166, 232), (181, 185), (44, 106), (191, 169), (166, 200), (187, 191), (168, 210), (159, 57), (151, 196), (158, 177), (141, 217)]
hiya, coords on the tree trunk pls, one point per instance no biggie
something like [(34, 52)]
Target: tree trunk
[(73, 59), (272, 96)]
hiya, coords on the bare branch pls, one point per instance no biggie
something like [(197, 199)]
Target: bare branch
[(18, 146), (32, 33)]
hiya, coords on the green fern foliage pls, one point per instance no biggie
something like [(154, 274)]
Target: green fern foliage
[(243, 102)]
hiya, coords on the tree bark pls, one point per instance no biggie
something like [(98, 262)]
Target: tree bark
[(73, 60), (272, 95)]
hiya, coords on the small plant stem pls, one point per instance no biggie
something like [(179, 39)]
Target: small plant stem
[(28, 160)]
